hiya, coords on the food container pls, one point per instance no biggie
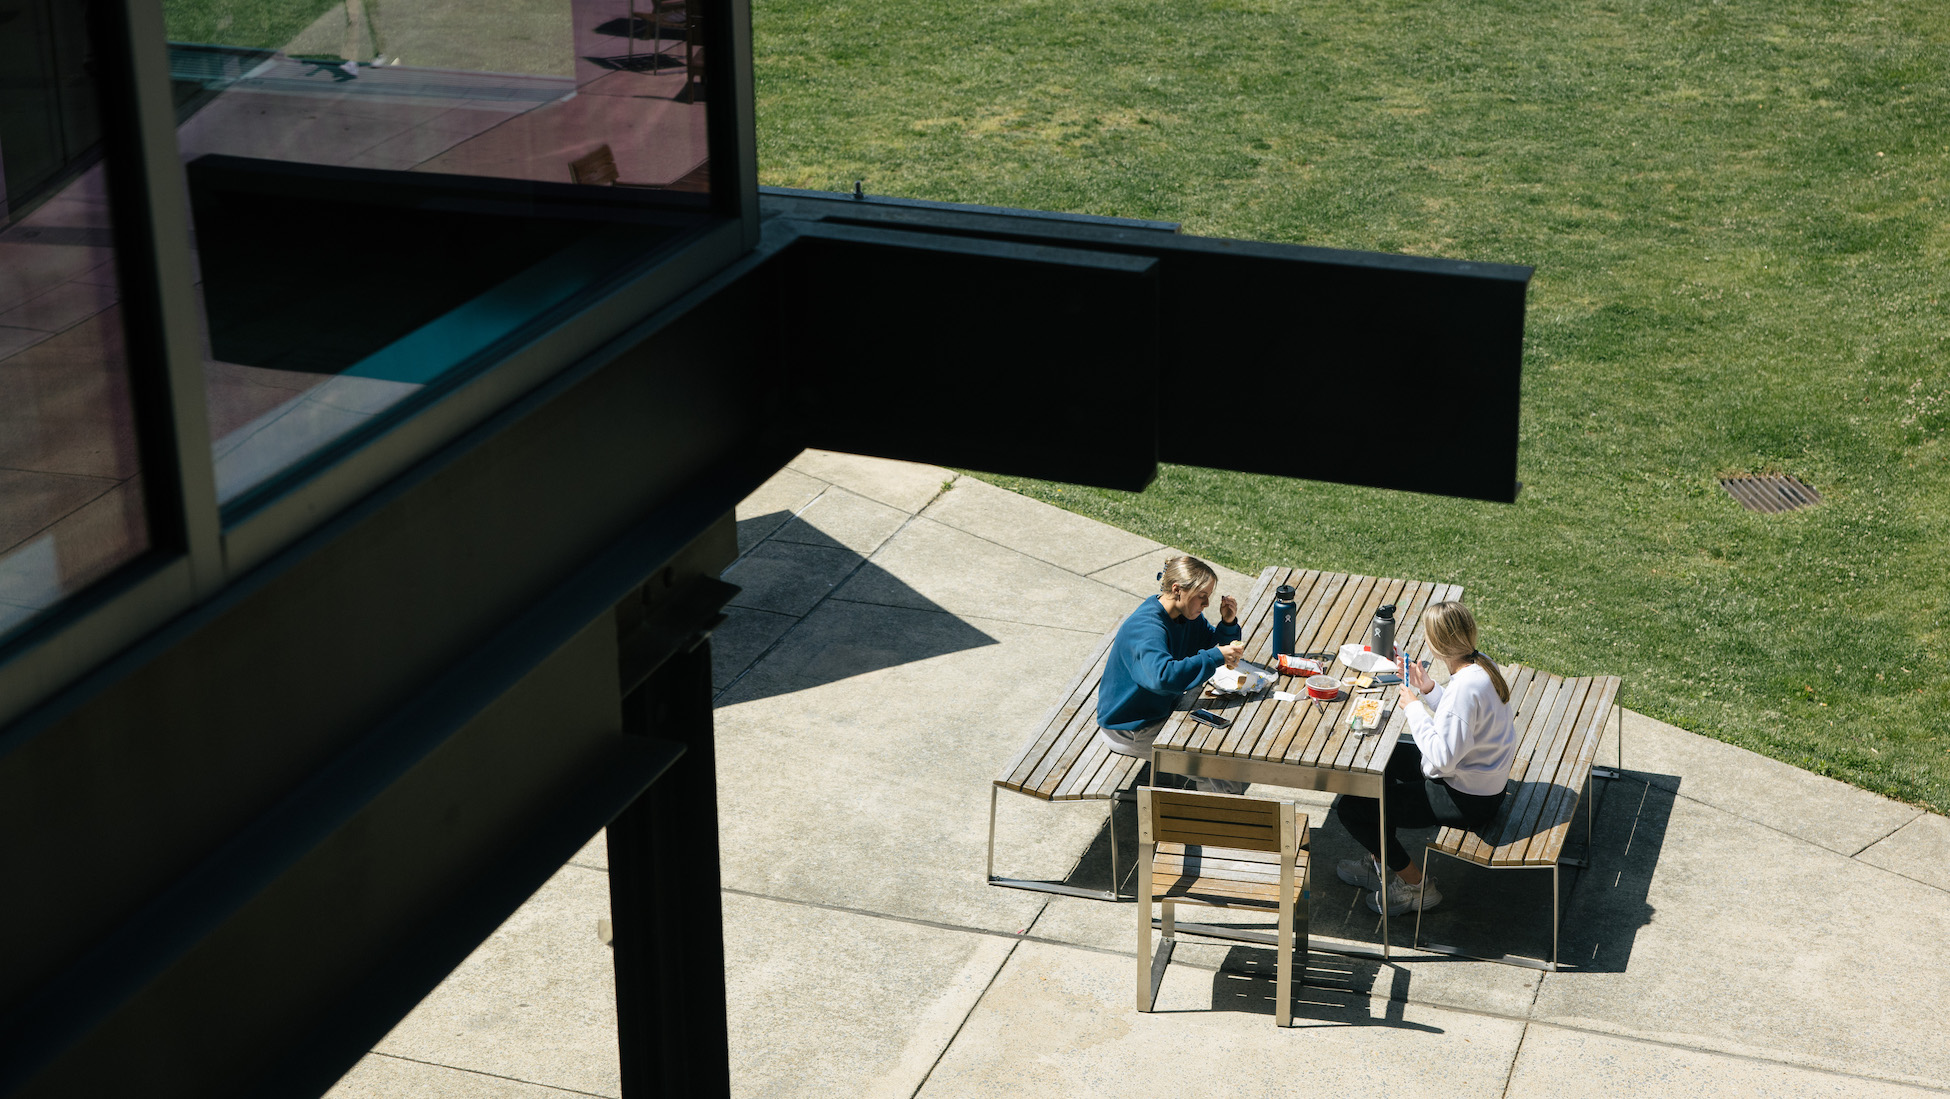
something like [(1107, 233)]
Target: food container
[(1299, 665), (1324, 687)]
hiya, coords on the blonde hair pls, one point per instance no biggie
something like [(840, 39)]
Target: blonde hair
[(1187, 572), (1451, 632)]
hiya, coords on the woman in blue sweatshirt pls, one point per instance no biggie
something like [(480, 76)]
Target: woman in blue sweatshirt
[(1163, 648)]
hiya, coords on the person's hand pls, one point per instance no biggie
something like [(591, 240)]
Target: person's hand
[(1232, 651), (1228, 608), (1416, 681)]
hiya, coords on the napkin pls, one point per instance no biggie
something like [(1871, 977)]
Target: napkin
[(1244, 679), (1357, 657)]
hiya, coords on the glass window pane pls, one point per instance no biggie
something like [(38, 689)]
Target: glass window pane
[(71, 503), (384, 189)]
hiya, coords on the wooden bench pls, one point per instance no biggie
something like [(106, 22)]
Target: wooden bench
[(1559, 724), (1065, 760)]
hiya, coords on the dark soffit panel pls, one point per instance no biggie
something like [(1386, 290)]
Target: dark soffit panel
[(1433, 341)]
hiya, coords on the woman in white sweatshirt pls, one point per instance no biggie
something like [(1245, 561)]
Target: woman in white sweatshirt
[(1453, 774)]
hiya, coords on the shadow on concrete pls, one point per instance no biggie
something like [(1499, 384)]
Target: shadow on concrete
[(769, 652), (1486, 913), (1489, 913), (1332, 991)]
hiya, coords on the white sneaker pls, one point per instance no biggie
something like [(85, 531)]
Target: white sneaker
[(1360, 873), (1403, 897)]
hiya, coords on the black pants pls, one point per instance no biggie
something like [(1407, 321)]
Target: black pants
[(1414, 801)]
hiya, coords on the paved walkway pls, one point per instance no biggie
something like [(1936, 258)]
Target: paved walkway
[(1747, 929)]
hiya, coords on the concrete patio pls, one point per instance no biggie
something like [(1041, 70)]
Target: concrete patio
[(1747, 928)]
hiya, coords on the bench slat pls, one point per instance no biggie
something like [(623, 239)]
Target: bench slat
[(1558, 813), (1096, 756), (1542, 764), (1016, 774), (1532, 721), (1527, 687), (1556, 767), (1079, 733)]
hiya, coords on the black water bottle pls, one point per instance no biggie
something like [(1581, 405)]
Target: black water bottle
[(1381, 632), (1283, 621)]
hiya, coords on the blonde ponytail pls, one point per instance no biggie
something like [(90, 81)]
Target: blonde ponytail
[(1451, 632)]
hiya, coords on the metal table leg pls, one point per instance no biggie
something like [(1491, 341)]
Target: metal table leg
[(1381, 800)]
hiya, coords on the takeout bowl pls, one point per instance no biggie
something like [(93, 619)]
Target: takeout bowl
[(1323, 687)]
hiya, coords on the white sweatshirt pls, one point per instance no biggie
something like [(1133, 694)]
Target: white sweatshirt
[(1465, 733)]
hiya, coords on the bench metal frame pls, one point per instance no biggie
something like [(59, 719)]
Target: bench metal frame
[(1062, 889), (1556, 868)]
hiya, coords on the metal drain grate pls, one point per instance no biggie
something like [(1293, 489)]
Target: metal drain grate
[(1776, 493)]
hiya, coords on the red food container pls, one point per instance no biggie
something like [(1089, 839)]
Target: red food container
[(1324, 687)]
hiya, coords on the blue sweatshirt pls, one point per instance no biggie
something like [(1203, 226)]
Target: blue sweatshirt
[(1154, 659)]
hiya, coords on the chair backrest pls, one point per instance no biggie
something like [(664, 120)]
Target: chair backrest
[(598, 168), (1208, 820)]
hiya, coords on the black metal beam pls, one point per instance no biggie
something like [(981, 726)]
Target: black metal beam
[(1284, 333)]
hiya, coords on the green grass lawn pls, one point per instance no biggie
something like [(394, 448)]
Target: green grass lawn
[(1736, 213), (264, 24)]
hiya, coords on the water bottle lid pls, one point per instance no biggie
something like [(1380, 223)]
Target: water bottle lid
[(1387, 611), (1284, 593)]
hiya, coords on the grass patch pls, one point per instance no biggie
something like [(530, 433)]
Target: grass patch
[(1736, 212), (260, 24)]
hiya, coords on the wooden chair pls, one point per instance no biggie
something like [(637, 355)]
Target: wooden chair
[(597, 168), (1221, 851)]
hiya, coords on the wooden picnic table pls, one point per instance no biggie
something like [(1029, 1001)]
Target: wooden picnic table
[(1302, 744)]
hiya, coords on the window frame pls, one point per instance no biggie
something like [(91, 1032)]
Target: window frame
[(193, 553)]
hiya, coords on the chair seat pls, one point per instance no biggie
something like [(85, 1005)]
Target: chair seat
[(1222, 877)]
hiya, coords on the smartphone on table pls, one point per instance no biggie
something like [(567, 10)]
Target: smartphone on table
[(1207, 717)]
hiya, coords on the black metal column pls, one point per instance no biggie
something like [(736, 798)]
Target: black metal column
[(665, 907)]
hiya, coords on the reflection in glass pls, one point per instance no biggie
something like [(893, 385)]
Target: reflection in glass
[(71, 505), (384, 188)]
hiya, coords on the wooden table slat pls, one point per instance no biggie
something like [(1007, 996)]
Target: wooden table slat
[(1307, 586), (1341, 747), (1423, 594), (1330, 635), (1298, 730), (1307, 609)]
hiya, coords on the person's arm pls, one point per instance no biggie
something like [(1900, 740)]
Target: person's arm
[(1155, 670), (1443, 732)]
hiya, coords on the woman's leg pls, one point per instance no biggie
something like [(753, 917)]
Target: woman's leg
[(1408, 807)]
